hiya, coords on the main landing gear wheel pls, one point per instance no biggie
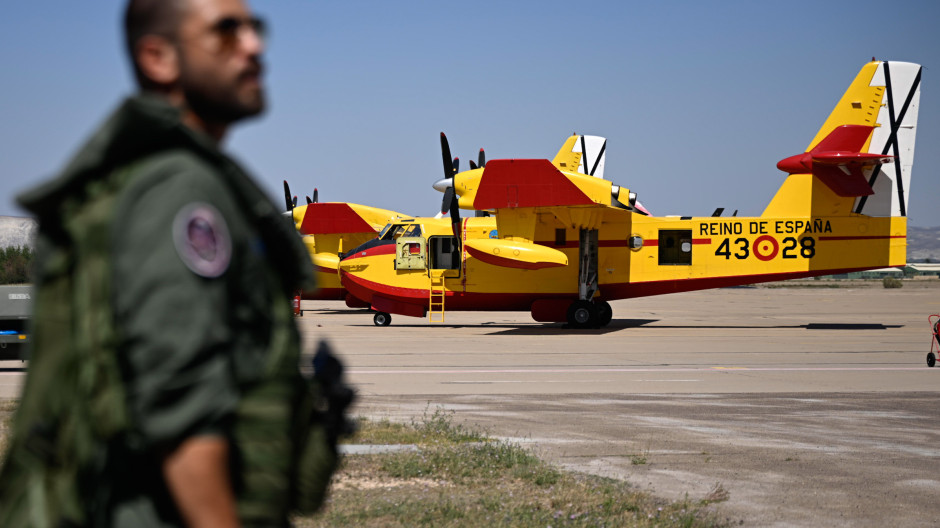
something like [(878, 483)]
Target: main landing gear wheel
[(582, 314), (931, 359), (382, 319), (604, 313)]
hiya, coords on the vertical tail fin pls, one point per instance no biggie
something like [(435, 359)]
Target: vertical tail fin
[(583, 154), (894, 136), (860, 160)]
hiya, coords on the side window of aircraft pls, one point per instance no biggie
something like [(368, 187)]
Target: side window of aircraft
[(414, 230), (444, 252), (675, 247)]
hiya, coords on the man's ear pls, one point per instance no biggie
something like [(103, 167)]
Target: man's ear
[(157, 60)]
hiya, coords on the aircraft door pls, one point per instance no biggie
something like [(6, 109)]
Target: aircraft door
[(410, 253), (444, 254)]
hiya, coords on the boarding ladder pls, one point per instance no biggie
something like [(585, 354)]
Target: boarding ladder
[(436, 294)]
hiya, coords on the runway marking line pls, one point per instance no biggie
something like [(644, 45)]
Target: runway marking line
[(366, 371)]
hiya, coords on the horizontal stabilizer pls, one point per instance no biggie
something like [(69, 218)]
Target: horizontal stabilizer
[(838, 161)]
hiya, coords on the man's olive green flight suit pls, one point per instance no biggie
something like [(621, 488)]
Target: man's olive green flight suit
[(164, 278)]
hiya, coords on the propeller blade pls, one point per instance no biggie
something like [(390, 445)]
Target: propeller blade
[(288, 204), (481, 159), (472, 165), (316, 197), (294, 202), (449, 197), (455, 214), (456, 165), (448, 161), (309, 201)]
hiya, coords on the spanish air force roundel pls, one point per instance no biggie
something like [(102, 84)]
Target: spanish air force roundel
[(202, 239)]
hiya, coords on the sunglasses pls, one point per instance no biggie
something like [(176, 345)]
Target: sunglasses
[(229, 29)]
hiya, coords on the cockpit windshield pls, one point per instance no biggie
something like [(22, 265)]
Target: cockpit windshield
[(393, 231)]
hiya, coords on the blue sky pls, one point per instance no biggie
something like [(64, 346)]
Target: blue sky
[(698, 100)]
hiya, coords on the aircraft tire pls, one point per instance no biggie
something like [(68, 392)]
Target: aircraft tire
[(931, 359), (604, 313), (582, 314), (382, 319)]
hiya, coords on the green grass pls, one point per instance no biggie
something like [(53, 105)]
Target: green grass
[(459, 477)]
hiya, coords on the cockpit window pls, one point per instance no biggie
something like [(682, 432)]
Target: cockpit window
[(393, 231), (383, 231)]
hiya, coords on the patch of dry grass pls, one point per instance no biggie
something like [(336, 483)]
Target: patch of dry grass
[(461, 478)]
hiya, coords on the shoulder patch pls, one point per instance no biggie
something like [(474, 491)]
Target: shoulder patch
[(202, 239)]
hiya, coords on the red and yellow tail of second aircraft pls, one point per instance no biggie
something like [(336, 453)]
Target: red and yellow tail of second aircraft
[(842, 207)]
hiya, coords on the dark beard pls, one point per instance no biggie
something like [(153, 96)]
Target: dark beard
[(223, 109)]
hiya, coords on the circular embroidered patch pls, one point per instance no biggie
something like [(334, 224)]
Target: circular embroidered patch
[(202, 239)]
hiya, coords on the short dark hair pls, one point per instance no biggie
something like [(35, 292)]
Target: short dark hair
[(150, 17)]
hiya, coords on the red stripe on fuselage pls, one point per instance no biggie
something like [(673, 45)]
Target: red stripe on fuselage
[(875, 237), (522, 301), (695, 242), (324, 294), (384, 249), (496, 260)]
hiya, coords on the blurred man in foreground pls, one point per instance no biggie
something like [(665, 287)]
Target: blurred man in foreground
[(163, 385)]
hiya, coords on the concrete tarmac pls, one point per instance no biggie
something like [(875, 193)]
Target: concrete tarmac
[(805, 406)]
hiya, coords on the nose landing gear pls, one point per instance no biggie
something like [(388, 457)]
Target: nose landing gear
[(382, 319)]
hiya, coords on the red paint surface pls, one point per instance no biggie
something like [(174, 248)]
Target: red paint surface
[(526, 183), (504, 262), (324, 294), (522, 301), (695, 242), (354, 302), (862, 237), (381, 303), (385, 249), (840, 149), (551, 310), (333, 218)]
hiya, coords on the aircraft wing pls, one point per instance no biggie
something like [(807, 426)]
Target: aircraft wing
[(515, 183), (342, 217), (522, 192)]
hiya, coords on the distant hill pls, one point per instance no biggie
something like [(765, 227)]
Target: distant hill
[(923, 243), (17, 231)]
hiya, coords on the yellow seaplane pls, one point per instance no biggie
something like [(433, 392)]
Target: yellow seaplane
[(562, 241), (329, 228)]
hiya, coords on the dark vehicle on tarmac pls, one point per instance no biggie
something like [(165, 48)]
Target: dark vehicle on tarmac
[(16, 304)]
